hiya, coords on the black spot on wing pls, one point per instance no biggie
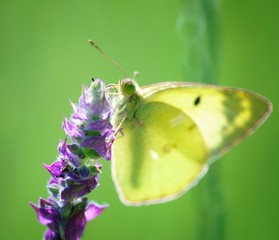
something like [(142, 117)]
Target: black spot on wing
[(197, 101)]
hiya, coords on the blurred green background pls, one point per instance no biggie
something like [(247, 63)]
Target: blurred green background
[(45, 59)]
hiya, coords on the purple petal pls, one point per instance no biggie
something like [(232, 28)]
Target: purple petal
[(75, 227), (79, 188), (82, 102), (96, 99), (51, 235), (93, 210), (40, 217), (96, 143), (62, 147), (111, 137), (98, 108), (108, 154), (101, 144), (79, 114), (46, 213), (53, 181), (56, 168), (99, 125), (66, 153), (70, 129)]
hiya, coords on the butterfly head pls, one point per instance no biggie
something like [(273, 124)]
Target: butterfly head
[(128, 86)]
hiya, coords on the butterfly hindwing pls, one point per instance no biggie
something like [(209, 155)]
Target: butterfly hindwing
[(154, 160)]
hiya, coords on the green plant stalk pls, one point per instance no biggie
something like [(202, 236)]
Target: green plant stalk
[(197, 26)]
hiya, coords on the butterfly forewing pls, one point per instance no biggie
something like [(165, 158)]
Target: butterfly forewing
[(224, 115)]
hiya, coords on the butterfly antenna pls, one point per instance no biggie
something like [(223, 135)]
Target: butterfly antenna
[(92, 43), (135, 74)]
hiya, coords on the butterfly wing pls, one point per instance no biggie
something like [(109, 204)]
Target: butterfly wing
[(160, 155), (224, 115)]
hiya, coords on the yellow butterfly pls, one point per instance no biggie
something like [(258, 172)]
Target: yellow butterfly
[(172, 131)]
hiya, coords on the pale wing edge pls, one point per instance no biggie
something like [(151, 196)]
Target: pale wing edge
[(243, 136), (158, 200)]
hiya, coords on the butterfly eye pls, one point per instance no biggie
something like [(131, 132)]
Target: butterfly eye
[(130, 88), (127, 87)]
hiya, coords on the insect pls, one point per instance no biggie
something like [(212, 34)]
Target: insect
[(172, 131)]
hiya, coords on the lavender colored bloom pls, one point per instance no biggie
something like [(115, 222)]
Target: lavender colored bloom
[(47, 211), (75, 171), (90, 123), (99, 125), (70, 129), (51, 235), (93, 210), (56, 168), (72, 217), (67, 152), (99, 144), (79, 183), (75, 225)]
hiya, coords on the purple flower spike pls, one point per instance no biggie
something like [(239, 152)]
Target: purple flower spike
[(75, 172), (73, 217)]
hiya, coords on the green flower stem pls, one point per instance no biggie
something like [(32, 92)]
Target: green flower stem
[(198, 30)]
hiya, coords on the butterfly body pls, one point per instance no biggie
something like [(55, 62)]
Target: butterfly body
[(171, 131), (127, 102)]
